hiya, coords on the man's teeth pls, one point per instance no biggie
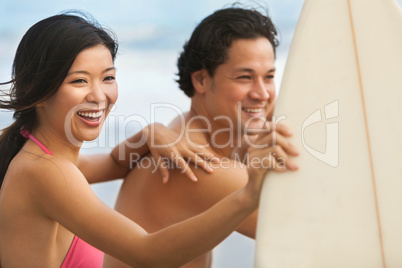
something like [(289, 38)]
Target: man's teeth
[(93, 115), (250, 110)]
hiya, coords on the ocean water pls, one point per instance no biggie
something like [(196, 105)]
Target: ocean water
[(151, 34)]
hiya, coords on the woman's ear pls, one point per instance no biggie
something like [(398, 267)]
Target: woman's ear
[(200, 80), (42, 103)]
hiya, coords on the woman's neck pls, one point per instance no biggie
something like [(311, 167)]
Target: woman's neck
[(57, 144)]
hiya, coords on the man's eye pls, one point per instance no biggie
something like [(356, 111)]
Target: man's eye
[(244, 77)]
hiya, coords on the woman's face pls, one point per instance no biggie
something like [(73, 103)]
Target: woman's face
[(79, 107)]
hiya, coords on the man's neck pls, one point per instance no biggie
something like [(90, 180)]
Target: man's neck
[(202, 130)]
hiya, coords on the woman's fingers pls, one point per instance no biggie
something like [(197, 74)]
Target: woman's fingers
[(183, 155), (200, 162), (162, 167), (189, 151), (179, 152), (182, 165), (200, 157), (205, 155)]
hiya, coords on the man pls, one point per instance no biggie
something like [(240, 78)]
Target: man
[(227, 69)]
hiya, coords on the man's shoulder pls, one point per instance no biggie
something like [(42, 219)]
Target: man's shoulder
[(228, 176), (227, 172)]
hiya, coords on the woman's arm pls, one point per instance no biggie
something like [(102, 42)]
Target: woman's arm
[(68, 199), (155, 138)]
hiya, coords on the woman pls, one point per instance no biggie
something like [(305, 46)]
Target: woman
[(63, 85)]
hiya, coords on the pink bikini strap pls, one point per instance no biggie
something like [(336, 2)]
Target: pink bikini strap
[(28, 135)]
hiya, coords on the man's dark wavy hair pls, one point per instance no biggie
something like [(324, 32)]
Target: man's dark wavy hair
[(210, 41)]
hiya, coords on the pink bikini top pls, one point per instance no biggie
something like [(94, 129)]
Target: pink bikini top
[(80, 254)]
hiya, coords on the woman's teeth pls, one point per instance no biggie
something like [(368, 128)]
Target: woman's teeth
[(91, 115)]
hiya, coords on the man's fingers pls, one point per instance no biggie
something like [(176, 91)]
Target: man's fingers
[(283, 160), (271, 110), (276, 164), (286, 145), (284, 130)]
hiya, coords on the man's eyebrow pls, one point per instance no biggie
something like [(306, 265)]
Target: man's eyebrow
[(241, 69), (87, 73), (251, 70)]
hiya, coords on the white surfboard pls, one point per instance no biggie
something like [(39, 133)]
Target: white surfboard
[(342, 95)]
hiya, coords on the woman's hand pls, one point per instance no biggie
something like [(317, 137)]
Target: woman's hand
[(167, 148)]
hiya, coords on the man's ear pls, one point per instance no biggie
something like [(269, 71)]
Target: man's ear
[(200, 80)]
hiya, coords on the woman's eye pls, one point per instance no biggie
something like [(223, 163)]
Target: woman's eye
[(110, 78), (270, 77), (79, 81)]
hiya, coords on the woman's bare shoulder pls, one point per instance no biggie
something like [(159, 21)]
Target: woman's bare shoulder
[(42, 173)]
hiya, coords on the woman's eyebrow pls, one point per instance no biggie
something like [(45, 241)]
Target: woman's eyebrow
[(86, 72)]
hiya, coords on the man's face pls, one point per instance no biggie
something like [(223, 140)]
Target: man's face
[(243, 89)]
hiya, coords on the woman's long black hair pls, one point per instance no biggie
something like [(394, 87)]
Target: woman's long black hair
[(42, 61)]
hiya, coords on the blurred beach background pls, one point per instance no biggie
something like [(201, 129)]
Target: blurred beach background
[(151, 35)]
